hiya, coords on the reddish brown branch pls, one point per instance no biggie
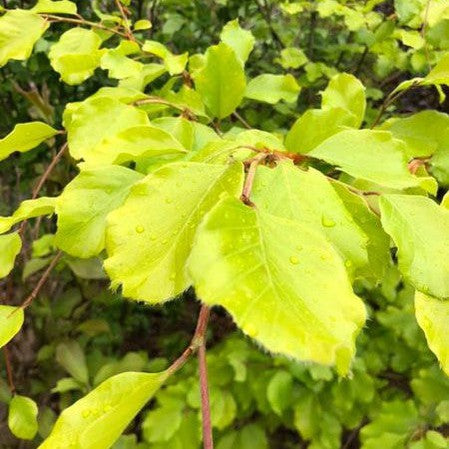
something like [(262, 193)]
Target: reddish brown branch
[(9, 374), (247, 187), (128, 31), (41, 282), (208, 441), (241, 120), (186, 112)]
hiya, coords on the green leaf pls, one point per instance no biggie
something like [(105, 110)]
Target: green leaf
[(11, 320), (392, 427), (279, 280), (22, 417), (374, 156), (345, 91), (19, 31), (142, 24), (279, 391), (55, 7), (97, 420), (432, 315), (137, 142), (24, 137), (249, 437), (76, 55), (315, 126), (71, 357), (119, 65), (221, 81), (175, 64), (273, 88), (311, 199), (292, 57), (424, 133), (96, 121), (240, 40), (10, 246), (84, 204), (28, 209), (419, 227), (150, 237)]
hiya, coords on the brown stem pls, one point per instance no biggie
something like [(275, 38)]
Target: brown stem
[(388, 102), (129, 33), (186, 112), (241, 120), (247, 187), (197, 339), (83, 22), (41, 182), (208, 441), (41, 282), (6, 354)]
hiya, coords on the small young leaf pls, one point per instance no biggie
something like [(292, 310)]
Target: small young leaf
[(19, 31), (11, 320), (240, 40), (22, 417), (374, 156), (432, 315), (419, 228), (347, 92), (142, 25), (97, 420), (24, 137), (84, 204), (55, 7), (10, 246), (273, 88), (175, 64), (149, 238), (221, 81), (279, 280), (279, 391), (76, 55), (28, 209)]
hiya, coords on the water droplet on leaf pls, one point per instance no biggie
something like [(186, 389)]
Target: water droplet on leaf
[(140, 229), (327, 222), (294, 260)]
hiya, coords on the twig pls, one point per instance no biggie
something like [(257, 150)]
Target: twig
[(52, 17), (41, 182), (247, 187), (197, 339), (6, 354), (388, 102), (186, 112), (208, 441), (129, 33), (241, 120), (41, 282)]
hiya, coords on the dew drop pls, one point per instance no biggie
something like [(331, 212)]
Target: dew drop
[(327, 222), (139, 229), (294, 260), (348, 263), (168, 200), (85, 413)]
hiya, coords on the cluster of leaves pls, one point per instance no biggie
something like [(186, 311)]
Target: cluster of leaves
[(286, 221)]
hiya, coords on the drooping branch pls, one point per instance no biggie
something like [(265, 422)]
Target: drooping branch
[(250, 175)]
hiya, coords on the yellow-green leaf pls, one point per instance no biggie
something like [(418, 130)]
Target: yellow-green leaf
[(76, 55), (11, 320), (24, 137), (28, 209), (84, 204), (55, 7), (22, 417), (221, 80), (374, 156), (282, 282), (240, 40), (97, 420), (19, 31), (273, 88), (419, 228), (432, 315), (149, 238), (10, 246)]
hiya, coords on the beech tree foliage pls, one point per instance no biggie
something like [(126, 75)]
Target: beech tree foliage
[(280, 228)]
